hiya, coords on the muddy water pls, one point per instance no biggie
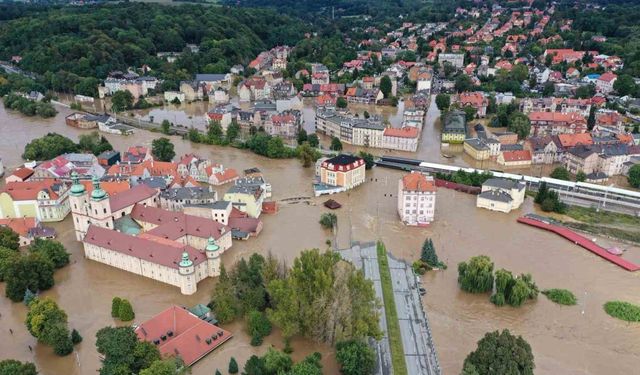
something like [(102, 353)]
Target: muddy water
[(564, 339)]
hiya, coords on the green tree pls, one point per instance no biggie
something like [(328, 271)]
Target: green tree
[(625, 85), (162, 149), (166, 127), (581, 176), (328, 220), (385, 86), (7, 256), (443, 102), (233, 131), (254, 366), (33, 272), (591, 120), (519, 123), (48, 147), (548, 89), (219, 373), (259, 327), (121, 101), (9, 239), (476, 275), (501, 353), (233, 366), (313, 140), (48, 323), (368, 159), (341, 102), (277, 362), (75, 337), (302, 137), (51, 250), (125, 311), (366, 114), (13, 367), (161, 367), (584, 91), (355, 357), (223, 300), (561, 173), (115, 307), (634, 176), (469, 112), (94, 143), (307, 154), (336, 144), (428, 254), (463, 83)]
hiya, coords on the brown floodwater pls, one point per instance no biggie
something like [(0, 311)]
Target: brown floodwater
[(566, 340)]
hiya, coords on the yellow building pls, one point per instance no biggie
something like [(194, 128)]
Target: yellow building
[(247, 199), (46, 200), (454, 129), (343, 170)]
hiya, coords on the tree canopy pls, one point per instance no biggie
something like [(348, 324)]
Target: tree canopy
[(162, 149), (501, 353)]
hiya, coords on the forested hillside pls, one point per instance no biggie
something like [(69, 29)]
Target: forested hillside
[(72, 47)]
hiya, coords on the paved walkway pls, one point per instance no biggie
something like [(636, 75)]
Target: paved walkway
[(419, 350)]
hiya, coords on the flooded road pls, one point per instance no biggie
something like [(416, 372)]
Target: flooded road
[(564, 339)]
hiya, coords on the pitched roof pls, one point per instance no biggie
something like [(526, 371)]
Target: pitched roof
[(167, 254), (191, 338), (20, 226), (28, 190), (418, 182), (571, 140), (111, 187), (173, 225), (23, 173), (404, 132), (130, 197), (519, 155)]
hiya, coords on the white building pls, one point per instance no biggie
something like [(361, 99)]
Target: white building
[(501, 195), (417, 199)]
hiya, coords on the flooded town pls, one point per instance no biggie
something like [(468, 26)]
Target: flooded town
[(462, 201)]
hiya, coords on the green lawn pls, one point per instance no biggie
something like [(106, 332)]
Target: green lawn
[(590, 216), (393, 325)]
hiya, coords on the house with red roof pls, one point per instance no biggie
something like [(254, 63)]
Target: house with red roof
[(417, 199), (28, 229), (553, 123), (403, 139), (515, 158), (177, 332), (19, 175), (605, 82), (476, 100), (46, 200)]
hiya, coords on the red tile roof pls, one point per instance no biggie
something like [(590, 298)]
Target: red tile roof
[(174, 225), (20, 226), (226, 175), (418, 182), (132, 196), (191, 338), (518, 155), (570, 117), (23, 173), (571, 140), (162, 253), (28, 190), (607, 77), (111, 187), (404, 132)]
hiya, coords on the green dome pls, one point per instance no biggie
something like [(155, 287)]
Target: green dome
[(211, 245), (97, 193), (186, 262), (76, 187)]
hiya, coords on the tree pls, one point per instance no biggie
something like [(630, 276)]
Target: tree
[(7, 256), (277, 362), (215, 132), (463, 83), (32, 272), (9, 239), (161, 367), (51, 250), (443, 102), (328, 220), (259, 327), (94, 143), (307, 154), (121, 101), (428, 254), (548, 89), (115, 307), (368, 159), (561, 173), (125, 311), (355, 357), (476, 275), (302, 136), (625, 85), (366, 114), (581, 176), (634, 176), (48, 323), (469, 112), (219, 373), (254, 366), (341, 102), (385, 86), (519, 123), (48, 147), (501, 353), (313, 140), (162, 149), (336, 144), (233, 366), (585, 91), (591, 120), (13, 367), (166, 127), (223, 300), (75, 337), (233, 131)]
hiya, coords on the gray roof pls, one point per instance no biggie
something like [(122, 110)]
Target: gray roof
[(210, 77), (476, 144), (496, 195), (188, 193), (217, 205), (503, 183), (455, 122)]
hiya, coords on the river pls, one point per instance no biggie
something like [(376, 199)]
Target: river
[(565, 340)]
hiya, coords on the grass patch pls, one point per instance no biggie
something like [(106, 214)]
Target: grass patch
[(393, 325), (591, 216), (561, 296), (623, 310), (618, 233)]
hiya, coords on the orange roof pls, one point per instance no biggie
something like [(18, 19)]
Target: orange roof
[(475, 99), (418, 182), (517, 155), (226, 175), (625, 138), (404, 132), (111, 187), (20, 226), (571, 140), (351, 91), (190, 337), (23, 173), (28, 190), (570, 117)]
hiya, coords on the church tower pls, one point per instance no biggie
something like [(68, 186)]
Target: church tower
[(212, 252), (187, 273), (99, 207), (79, 201)]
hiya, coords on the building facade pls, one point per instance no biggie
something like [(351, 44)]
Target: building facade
[(417, 199)]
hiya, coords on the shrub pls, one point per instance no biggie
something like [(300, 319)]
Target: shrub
[(233, 366), (561, 296), (328, 220), (125, 312), (115, 307), (623, 310), (259, 327), (476, 275)]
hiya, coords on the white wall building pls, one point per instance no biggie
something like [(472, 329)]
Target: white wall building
[(417, 199)]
